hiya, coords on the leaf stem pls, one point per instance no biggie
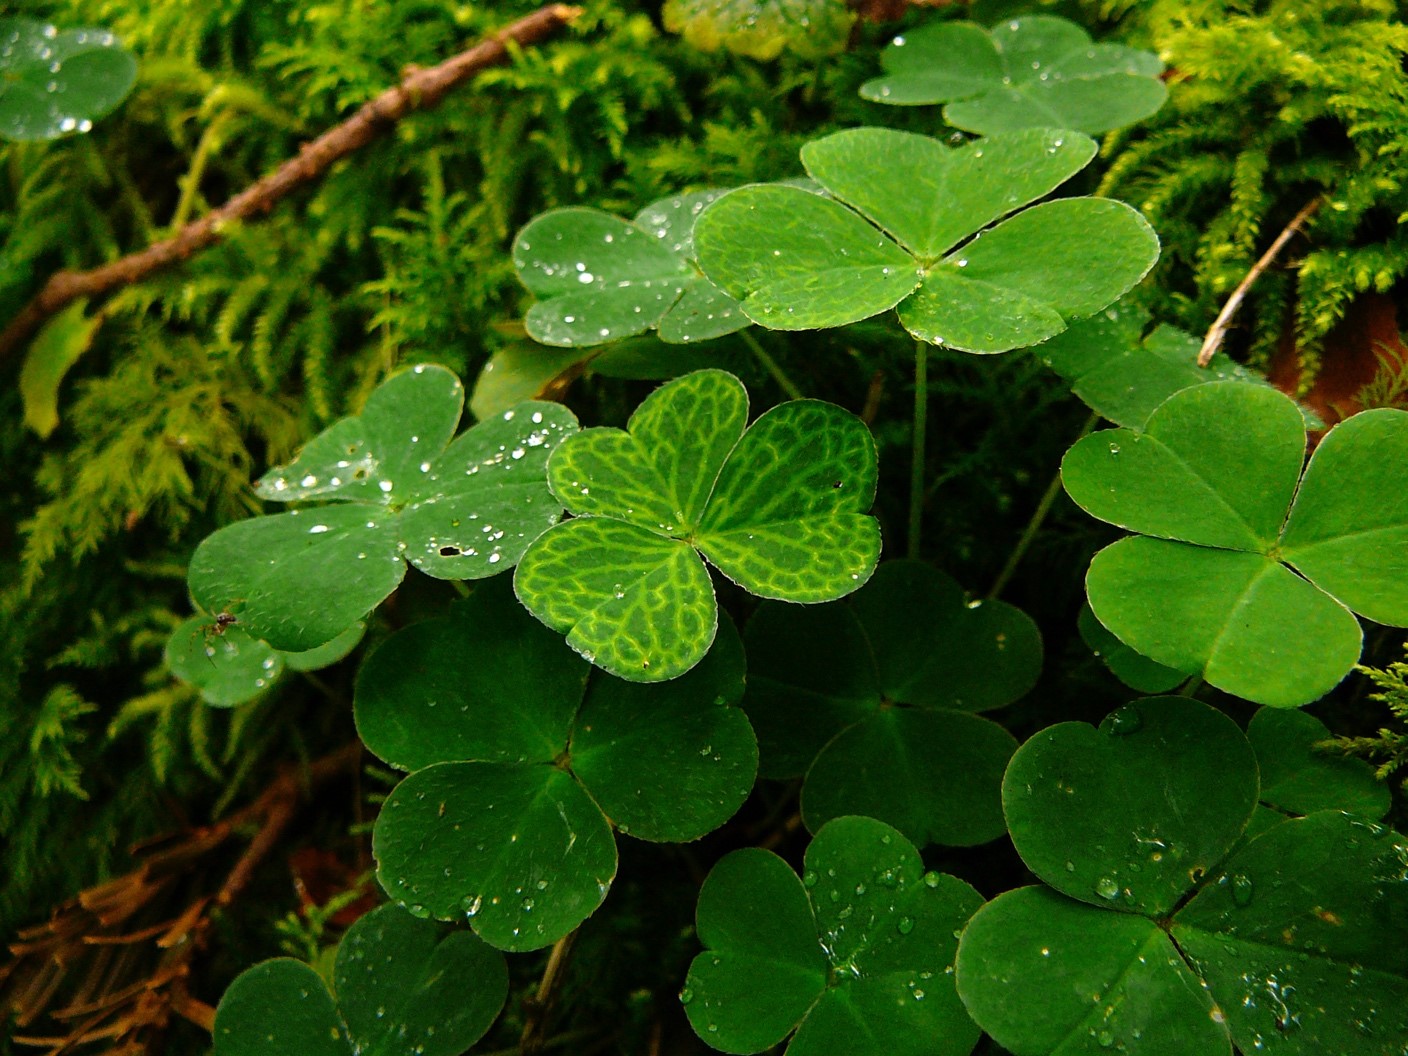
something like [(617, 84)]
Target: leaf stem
[(190, 183), (916, 468), (771, 366), (537, 1009), (1048, 499), (1191, 687)]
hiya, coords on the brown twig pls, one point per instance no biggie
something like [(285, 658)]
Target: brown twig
[(133, 980), (1223, 322), (420, 89), (538, 1009)]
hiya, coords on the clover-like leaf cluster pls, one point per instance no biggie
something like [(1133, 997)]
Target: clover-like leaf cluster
[(399, 985), (1160, 927), (855, 956), (1248, 572), (874, 700), (779, 507), (524, 762), (1033, 72), (601, 278), (909, 222), (398, 486)]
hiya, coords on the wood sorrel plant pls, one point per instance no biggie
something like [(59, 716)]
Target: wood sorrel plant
[(1200, 886)]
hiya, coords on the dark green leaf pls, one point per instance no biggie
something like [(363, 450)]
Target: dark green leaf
[(279, 1006), (462, 511), (403, 985), (1124, 380), (763, 968), (1133, 814), (674, 761), (1297, 778), (935, 648), (857, 956), (516, 849), (1302, 940), (227, 665), (417, 705), (1043, 974), (406, 985), (1137, 672), (600, 278), (934, 775)]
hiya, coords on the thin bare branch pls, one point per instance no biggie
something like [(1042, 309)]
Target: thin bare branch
[(420, 89), (1223, 322)]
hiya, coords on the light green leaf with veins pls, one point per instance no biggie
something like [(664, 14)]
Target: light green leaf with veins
[(780, 509)]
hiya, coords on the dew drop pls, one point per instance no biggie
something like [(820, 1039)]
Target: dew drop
[(1242, 889), (1124, 720)]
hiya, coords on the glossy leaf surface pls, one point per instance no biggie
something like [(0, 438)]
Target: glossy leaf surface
[(1043, 974), (780, 509), (1033, 72), (905, 229), (1219, 467), (403, 492), (402, 985), (600, 278), (855, 955), (1298, 779), (1124, 378), (1130, 815), (53, 83), (1291, 941), (229, 666), (1302, 938), (522, 767)]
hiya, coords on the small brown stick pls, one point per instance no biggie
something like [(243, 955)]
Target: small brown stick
[(420, 89), (539, 1007), (111, 1004), (1223, 322)]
